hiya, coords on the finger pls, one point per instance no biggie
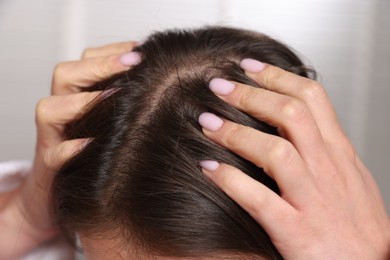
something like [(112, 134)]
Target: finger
[(265, 206), (72, 76), (304, 89), (290, 115), (54, 112), (275, 155), (57, 155), (107, 50)]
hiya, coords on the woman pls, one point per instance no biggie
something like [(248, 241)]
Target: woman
[(312, 182)]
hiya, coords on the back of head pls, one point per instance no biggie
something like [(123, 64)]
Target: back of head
[(139, 178)]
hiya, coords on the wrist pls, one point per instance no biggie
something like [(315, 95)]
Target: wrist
[(19, 233), (33, 210)]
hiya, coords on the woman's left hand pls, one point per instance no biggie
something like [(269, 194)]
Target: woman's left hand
[(329, 205)]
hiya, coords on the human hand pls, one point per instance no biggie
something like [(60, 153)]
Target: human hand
[(27, 213), (329, 205)]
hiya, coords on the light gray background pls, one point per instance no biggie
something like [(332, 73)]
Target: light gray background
[(347, 41)]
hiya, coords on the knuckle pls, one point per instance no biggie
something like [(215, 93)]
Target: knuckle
[(272, 76), (259, 204), (246, 98), (60, 69), (233, 135), (313, 91), (280, 150), (294, 110), (87, 53), (61, 76), (43, 110)]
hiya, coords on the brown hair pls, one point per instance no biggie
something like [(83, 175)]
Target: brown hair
[(140, 174)]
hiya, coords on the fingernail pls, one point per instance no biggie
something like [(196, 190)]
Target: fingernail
[(85, 143), (209, 165), (252, 65), (130, 58), (221, 86), (210, 121)]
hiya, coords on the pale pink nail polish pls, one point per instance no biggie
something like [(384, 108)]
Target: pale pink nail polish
[(130, 58), (221, 87), (209, 165), (85, 143), (252, 65), (210, 121)]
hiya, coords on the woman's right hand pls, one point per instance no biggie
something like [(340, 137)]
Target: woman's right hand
[(25, 217)]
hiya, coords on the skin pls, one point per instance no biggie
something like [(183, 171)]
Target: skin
[(330, 206), (26, 209)]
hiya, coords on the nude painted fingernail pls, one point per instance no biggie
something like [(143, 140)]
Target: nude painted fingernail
[(84, 143), (130, 58), (221, 87), (252, 65), (209, 165), (210, 121)]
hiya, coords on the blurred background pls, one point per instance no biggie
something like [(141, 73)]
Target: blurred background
[(346, 41)]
